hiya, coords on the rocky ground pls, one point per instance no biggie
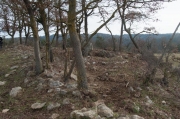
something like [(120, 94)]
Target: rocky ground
[(115, 88)]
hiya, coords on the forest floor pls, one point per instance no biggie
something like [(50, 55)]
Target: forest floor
[(116, 79)]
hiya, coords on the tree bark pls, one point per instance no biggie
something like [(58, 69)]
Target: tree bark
[(82, 78), (38, 62)]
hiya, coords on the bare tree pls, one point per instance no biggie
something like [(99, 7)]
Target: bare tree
[(38, 62), (82, 78)]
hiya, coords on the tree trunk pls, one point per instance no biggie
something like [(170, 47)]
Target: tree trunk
[(38, 62), (121, 36), (20, 36), (82, 78)]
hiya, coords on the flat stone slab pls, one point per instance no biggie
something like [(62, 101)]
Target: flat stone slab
[(15, 91), (38, 105), (2, 83)]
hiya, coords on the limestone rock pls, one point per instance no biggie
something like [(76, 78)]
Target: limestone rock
[(14, 67), (7, 75), (15, 91), (52, 106), (5, 110), (84, 113), (104, 111), (66, 101), (55, 84), (73, 76), (54, 116), (76, 93), (71, 86), (2, 83), (130, 117), (38, 105), (149, 102)]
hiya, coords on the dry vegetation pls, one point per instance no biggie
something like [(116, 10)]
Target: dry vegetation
[(117, 80)]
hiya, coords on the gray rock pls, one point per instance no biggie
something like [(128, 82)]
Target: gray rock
[(53, 105), (48, 73), (130, 117), (71, 86), (163, 102), (148, 102), (15, 91), (40, 86), (104, 111), (58, 89), (73, 76), (50, 90), (76, 93), (12, 72), (31, 73), (7, 75), (66, 101), (84, 113), (61, 91), (139, 88), (26, 80), (2, 83), (131, 89), (5, 110), (14, 67), (54, 116), (41, 80), (55, 84), (38, 105), (24, 57)]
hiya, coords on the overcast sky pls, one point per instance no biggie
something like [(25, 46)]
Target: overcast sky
[(169, 17)]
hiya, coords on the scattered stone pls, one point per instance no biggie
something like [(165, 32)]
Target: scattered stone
[(77, 93), (50, 90), (12, 72), (41, 80), (136, 108), (2, 83), (40, 86), (103, 63), (26, 80), (54, 116), (139, 88), (149, 89), (62, 92), (55, 84), (84, 113), (164, 102), (5, 110), (52, 106), (73, 76), (71, 86), (48, 73), (66, 101), (103, 110), (15, 91), (149, 102), (130, 117), (38, 105), (123, 62), (25, 57), (7, 75), (14, 67), (31, 73), (131, 89)]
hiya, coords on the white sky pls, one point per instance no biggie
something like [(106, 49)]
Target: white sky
[(169, 17)]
